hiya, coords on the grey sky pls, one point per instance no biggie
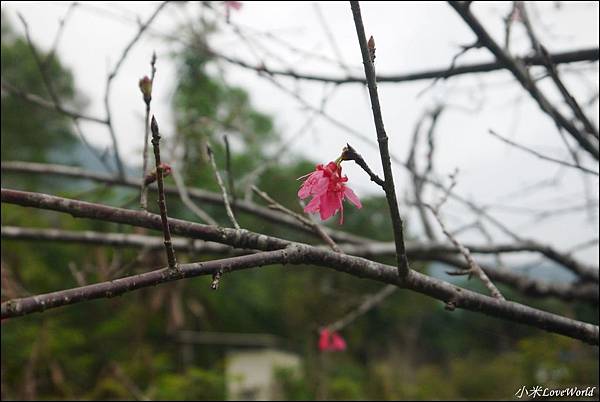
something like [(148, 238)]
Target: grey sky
[(409, 37)]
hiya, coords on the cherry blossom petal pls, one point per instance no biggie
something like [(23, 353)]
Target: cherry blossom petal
[(330, 203), (337, 342), (352, 197), (236, 5), (309, 183), (324, 340), (320, 186), (313, 205)]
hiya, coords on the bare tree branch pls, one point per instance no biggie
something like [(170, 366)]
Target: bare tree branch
[(194, 193), (419, 179), (586, 291), (541, 156), (350, 154), (574, 56), (541, 51), (48, 84), (382, 139), (301, 254), (185, 198), (144, 219), (368, 304), (331, 38), (112, 239), (583, 271), (473, 267), (162, 203), (521, 74), (39, 101), (62, 23), (111, 77), (211, 156), (317, 228), (146, 88)]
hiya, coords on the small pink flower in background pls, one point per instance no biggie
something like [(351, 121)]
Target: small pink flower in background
[(231, 5), (324, 340), (236, 5), (331, 341), (337, 342), (327, 187)]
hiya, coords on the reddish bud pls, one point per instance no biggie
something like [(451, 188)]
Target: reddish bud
[(371, 46), (151, 177), (146, 88), (166, 169)]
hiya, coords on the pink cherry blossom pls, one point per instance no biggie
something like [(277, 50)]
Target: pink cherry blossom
[(324, 340), (236, 5), (337, 342), (331, 341), (327, 187)]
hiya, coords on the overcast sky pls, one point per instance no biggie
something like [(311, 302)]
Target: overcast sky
[(409, 37)]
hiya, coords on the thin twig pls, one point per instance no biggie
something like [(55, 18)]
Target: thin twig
[(350, 154), (419, 179), (77, 274), (303, 219), (61, 27), (382, 139), (111, 76), (368, 304), (222, 187), (541, 51), (580, 55), (120, 240), (56, 102), (508, 22), (521, 74), (249, 179), (46, 104), (331, 38), (474, 268), (147, 92), (229, 169), (464, 49), (541, 156), (124, 379), (162, 204), (185, 198)]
